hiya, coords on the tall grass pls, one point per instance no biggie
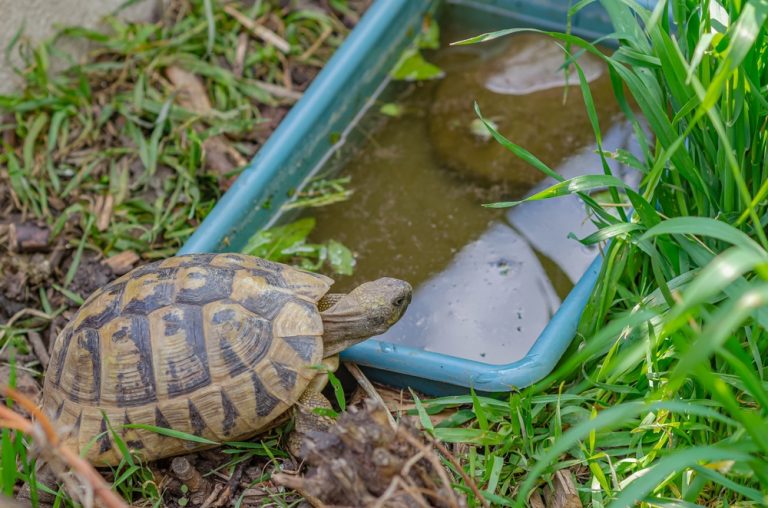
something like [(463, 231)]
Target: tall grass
[(662, 399)]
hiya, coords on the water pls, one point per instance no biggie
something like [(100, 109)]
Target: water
[(486, 281)]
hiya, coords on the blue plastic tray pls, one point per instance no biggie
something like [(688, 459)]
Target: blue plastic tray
[(321, 121)]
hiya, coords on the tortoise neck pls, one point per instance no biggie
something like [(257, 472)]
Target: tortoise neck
[(344, 322)]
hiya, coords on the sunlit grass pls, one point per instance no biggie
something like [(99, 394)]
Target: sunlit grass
[(112, 125), (662, 399)]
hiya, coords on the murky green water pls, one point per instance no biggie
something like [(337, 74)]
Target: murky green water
[(487, 281)]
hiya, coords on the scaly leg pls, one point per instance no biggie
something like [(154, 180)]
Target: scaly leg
[(305, 419)]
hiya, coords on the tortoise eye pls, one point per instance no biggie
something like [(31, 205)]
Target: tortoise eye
[(400, 302)]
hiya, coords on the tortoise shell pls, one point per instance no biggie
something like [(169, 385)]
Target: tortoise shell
[(217, 346)]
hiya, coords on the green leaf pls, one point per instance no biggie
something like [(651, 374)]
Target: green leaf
[(429, 38), (584, 183), (742, 37), (477, 437), (413, 67), (326, 412), (341, 258), (703, 226), (211, 23), (77, 299), (170, 433), (426, 422), (272, 243), (338, 391), (391, 109), (675, 462)]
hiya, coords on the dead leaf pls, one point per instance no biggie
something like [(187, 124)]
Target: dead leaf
[(191, 93), (564, 494), (221, 158), (122, 263), (102, 208), (242, 48)]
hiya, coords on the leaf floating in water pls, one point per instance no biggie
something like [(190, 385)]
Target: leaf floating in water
[(479, 130), (429, 38), (278, 242), (341, 258), (289, 244), (413, 67), (391, 109)]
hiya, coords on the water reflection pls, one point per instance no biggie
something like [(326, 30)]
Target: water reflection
[(499, 292), (487, 281)]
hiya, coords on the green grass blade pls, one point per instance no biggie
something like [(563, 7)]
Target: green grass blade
[(170, 433)]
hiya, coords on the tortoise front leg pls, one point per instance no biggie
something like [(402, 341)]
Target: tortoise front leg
[(305, 419)]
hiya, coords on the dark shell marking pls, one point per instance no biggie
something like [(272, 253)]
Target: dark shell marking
[(172, 328)]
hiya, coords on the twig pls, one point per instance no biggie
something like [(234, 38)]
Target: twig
[(278, 91), (28, 237), (52, 448), (433, 494), (316, 45), (369, 389), (39, 348), (410, 463), (187, 473), (232, 483), (5, 355), (435, 462), (259, 31), (391, 489), (21, 314), (467, 479), (210, 499), (415, 493)]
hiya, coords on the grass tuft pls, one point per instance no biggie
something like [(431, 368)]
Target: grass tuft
[(662, 399)]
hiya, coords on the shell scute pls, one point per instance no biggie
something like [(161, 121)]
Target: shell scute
[(230, 413), (268, 304), (101, 309), (265, 401), (303, 345), (147, 293), (127, 363), (181, 364), (308, 285), (237, 339), (242, 261), (286, 375), (199, 285), (58, 355), (297, 317), (83, 382)]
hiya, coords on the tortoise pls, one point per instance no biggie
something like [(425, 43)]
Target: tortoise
[(214, 345)]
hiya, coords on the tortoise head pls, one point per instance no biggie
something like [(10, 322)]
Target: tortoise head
[(368, 310)]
